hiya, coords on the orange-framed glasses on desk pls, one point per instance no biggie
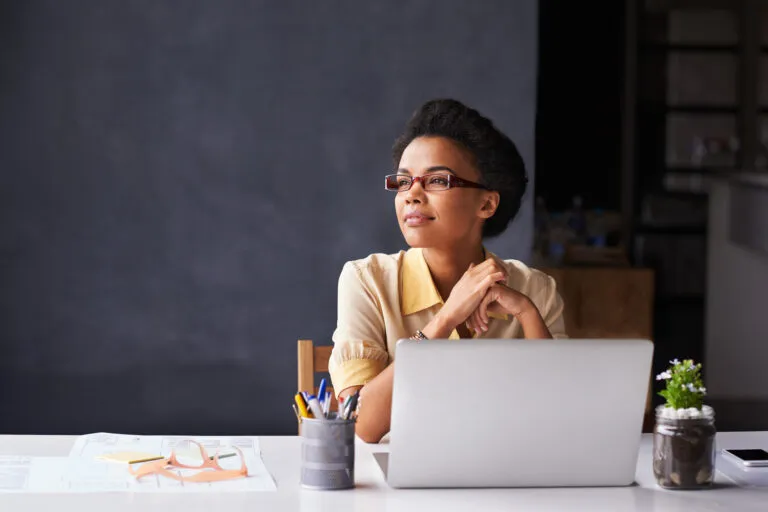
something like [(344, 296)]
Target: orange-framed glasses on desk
[(189, 461)]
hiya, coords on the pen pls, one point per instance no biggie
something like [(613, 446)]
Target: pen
[(327, 403), (350, 405), (321, 391), (314, 406), (296, 411), (301, 405), (222, 455), (147, 459)]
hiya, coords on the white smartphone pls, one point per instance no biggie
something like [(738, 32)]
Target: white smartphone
[(753, 457)]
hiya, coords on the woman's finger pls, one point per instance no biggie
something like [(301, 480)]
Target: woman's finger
[(475, 326), (483, 325), (476, 322), (491, 280), (495, 307), (476, 317), (483, 309)]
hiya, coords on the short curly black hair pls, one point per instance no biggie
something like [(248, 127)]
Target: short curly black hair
[(495, 155)]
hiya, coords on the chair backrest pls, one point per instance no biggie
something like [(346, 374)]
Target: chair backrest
[(606, 302), (312, 360)]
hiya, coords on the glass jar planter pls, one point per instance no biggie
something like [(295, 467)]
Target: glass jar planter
[(684, 448)]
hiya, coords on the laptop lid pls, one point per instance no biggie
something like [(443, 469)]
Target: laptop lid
[(517, 413)]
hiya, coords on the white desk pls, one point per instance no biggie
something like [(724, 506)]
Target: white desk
[(282, 458)]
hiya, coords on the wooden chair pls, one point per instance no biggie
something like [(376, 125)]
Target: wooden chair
[(608, 302), (312, 360)]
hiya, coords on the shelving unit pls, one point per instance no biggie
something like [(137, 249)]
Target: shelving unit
[(692, 85)]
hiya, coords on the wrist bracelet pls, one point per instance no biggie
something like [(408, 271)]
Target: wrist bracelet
[(419, 336)]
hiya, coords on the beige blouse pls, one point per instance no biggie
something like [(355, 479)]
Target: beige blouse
[(386, 297)]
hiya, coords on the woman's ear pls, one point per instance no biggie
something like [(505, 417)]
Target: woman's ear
[(490, 204)]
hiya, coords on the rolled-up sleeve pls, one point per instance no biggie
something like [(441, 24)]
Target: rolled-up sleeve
[(359, 341)]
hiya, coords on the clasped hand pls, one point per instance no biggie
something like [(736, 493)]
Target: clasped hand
[(483, 290)]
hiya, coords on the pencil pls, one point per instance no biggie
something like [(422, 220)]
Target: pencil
[(301, 405)]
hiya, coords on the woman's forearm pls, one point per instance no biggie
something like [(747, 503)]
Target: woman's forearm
[(375, 407), (375, 411), (533, 324), (439, 327)]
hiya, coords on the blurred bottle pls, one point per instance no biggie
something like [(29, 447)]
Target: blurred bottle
[(559, 234), (598, 231), (577, 221), (698, 151)]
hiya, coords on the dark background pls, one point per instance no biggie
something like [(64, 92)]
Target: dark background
[(181, 183), (578, 111)]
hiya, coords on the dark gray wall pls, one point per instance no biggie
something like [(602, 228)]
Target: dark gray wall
[(181, 182)]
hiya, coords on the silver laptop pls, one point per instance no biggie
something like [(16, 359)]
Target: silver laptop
[(517, 413)]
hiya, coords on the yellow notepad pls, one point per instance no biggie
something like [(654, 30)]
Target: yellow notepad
[(129, 457)]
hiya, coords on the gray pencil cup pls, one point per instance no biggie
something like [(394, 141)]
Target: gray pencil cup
[(327, 453)]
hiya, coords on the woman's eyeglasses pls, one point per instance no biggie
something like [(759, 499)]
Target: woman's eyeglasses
[(430, 182), (189, 461)]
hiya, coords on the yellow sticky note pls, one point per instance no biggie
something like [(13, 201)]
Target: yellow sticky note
[(129, 457)]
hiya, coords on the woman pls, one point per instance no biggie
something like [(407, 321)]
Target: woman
[(458, 180)]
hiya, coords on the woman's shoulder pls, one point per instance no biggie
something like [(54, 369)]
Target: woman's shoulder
[(522, 275), (375, 265)]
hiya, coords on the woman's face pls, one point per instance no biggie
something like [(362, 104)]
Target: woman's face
[(441, 218)]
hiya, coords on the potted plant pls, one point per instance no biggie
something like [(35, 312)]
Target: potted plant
[(684, 434)]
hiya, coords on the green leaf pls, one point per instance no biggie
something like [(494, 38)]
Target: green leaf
[(677, 393)]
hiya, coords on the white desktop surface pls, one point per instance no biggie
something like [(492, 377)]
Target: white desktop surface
[(282, 458)]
